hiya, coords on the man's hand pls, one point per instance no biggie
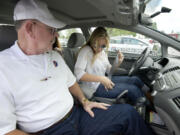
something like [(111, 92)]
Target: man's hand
[(88, 106), (17, 132), (108, 84)]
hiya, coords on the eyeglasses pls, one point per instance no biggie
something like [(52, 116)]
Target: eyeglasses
[(102, 46), (53, 30), (50, 29)]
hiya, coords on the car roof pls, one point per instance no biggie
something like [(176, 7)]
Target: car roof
[(78, 12)]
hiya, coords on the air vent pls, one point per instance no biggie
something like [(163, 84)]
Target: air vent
[(171, 69), (177, 101)]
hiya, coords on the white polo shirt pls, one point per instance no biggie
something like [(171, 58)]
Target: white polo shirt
[(84, 65), (34, 90)]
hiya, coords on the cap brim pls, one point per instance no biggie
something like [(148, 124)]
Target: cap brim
[(54, 23)]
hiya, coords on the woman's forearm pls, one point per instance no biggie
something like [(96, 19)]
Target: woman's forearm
[(91, 78)]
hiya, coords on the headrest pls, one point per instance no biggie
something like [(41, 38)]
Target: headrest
[(76, 40), (7, 36)]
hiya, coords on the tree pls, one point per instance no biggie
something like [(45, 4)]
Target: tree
[(118, 32), (154, 25)]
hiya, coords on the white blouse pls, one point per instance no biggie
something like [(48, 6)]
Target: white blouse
[(84, 65)]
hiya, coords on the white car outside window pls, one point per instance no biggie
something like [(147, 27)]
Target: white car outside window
[(128, 44)]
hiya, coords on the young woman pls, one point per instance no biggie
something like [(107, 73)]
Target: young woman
[(92, 64)]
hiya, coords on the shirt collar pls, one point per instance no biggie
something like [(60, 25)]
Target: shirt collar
[(18, 52)]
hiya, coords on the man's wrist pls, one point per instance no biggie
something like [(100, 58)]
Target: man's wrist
[(84, 100)]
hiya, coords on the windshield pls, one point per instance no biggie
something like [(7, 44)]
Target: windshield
[(168, 23)]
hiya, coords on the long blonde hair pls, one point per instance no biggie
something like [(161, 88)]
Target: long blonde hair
[(98, 33), (57, 46)]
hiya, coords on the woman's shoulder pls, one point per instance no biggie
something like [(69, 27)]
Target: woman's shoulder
[(86, 49)]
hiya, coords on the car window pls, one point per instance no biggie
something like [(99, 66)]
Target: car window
[(173, 52), (167, 23), (116, 41), (126, 41), (113, 41), (141, 43), (133, 41), (65, 34), (131, 44)]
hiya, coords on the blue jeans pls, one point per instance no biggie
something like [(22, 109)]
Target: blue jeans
[(132, 84), (119, 118)]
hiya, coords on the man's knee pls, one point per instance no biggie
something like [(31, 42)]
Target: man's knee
[(125, 113), (130, 114), (125, 108)]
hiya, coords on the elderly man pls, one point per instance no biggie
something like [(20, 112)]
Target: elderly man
[(36, 86)]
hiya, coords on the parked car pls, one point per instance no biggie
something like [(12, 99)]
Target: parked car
[(161, 73), (128, 44)]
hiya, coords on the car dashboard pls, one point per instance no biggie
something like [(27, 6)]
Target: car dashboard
[(166, 93), (169, 77)]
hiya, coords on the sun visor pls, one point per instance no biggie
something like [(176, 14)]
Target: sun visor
[(127, 11)]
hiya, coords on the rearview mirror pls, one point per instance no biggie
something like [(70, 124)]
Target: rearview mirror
[(163, 10), (147, 19)]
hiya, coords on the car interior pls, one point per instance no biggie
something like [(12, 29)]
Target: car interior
[(158, 70)]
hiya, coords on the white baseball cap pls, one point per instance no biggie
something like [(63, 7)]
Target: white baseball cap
[(36, 9)]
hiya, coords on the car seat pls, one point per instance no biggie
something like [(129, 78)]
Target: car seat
[(7, 36), (69, 53)]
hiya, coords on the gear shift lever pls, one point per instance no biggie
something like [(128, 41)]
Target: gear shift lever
[(140, 105)]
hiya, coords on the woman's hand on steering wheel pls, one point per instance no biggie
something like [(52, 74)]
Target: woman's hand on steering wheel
[(120, 57)]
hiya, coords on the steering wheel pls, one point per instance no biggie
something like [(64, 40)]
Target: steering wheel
[(140, 61)]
